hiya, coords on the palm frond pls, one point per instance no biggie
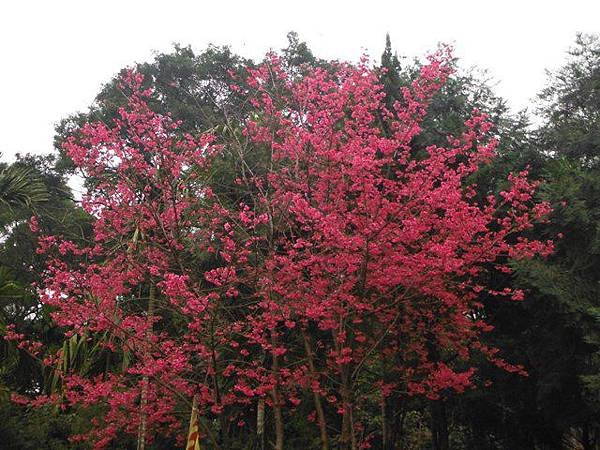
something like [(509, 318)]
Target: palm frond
[(21, 187)]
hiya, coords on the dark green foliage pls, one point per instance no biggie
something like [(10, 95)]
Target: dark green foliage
[(194, 89), (570, 104), (20, 187), (555, 333), (20, 268), (390, 74), (297, 53)]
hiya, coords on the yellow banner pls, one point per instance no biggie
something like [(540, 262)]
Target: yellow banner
[(193, 440)]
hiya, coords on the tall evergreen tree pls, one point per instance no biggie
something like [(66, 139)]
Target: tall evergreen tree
[(569, 284), (390, 74)]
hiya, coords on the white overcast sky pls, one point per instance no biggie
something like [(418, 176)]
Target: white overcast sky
[(56, 54)]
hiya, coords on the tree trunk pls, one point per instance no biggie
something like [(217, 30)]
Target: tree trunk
[(396, 422), (223, 422), (317, 397), (277, 414), (278, 420), (384, 428), (141, 442), (260, 423), (439, 425), (348, 438)]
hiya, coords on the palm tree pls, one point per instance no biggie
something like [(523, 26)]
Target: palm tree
[(20, 186)]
